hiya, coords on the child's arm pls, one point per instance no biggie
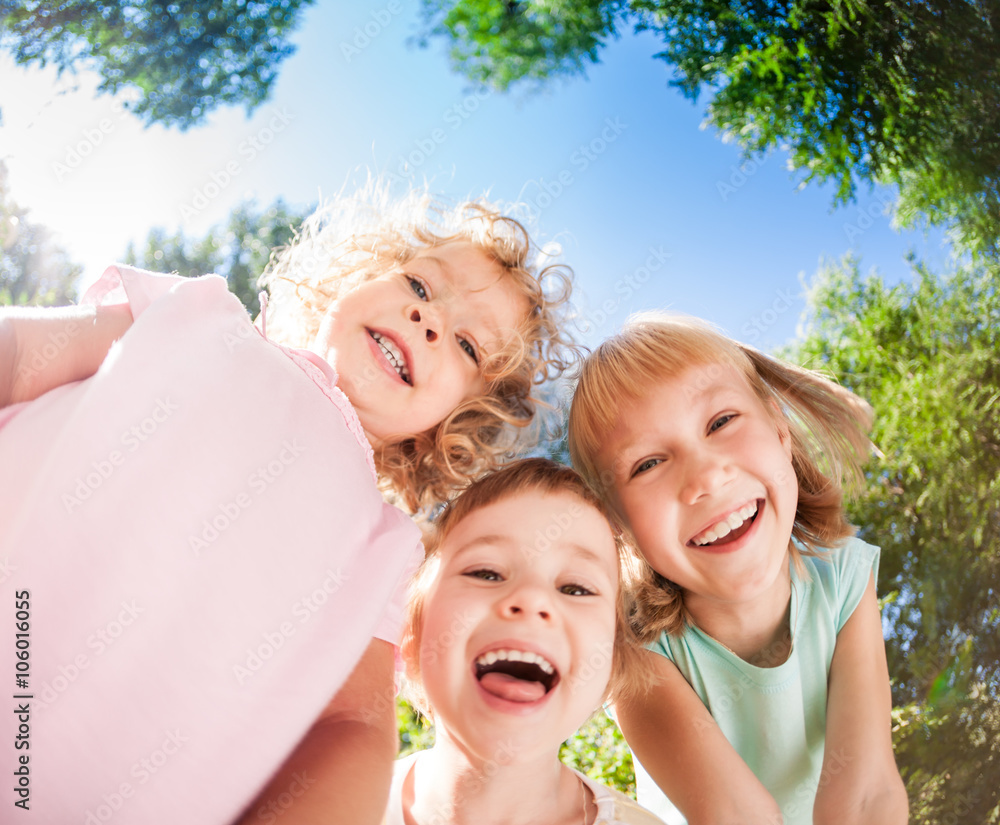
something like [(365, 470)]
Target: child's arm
[(342, 769), (860, 782), (41, 349), (681, 746)]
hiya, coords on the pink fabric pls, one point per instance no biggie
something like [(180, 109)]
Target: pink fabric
[(207, 557)]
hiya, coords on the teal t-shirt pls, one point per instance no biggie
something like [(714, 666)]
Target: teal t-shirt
[(775, 717)]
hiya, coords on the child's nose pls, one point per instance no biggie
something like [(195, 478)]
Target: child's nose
[(429, 331), (704, 475), (526, 602)]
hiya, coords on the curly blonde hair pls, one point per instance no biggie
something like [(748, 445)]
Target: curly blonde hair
[(356, 238), (828, 425), (630, 672)]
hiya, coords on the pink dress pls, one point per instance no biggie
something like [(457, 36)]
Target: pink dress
[(204, 555)]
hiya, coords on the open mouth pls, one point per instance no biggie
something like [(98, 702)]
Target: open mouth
[(393, 355), (516, 675), (730, 528)]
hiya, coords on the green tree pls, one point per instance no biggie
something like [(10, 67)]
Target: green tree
[(891, 91), (34, 270), (182, 58), (416, 732), (238, 250), (597, 749), (924, 353)]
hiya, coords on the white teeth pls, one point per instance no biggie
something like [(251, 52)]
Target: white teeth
[(516, 656), (727, 525), (393, 355)]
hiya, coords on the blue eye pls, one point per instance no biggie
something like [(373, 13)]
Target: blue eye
[(720, 422), (469, 349), (418, 288)]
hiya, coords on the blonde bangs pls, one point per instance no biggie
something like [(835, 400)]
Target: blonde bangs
[(651, 348), (827, 423)]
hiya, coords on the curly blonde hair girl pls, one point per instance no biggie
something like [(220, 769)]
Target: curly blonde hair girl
[(356, 238)]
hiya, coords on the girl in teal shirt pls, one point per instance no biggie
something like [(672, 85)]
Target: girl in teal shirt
[(756, 604)]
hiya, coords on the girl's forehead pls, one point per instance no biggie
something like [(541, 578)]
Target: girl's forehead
[(533, 522), (693, 385), (691, 380), (460, 262)]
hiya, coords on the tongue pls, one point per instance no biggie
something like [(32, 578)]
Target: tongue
[(511, 688)]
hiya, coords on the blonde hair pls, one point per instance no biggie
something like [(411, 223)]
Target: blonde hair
[(828, 426), (629, 670), (356, 238)]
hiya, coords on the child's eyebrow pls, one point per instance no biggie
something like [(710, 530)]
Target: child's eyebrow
[(625, 449), (491, 539), (500, 540), (433, 259), (586, 554)]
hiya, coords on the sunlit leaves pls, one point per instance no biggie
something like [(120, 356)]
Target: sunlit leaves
[(925, 354), (501, 43), (238, 250), (598, 749), (859, 91), (176, 60), (34, 270)]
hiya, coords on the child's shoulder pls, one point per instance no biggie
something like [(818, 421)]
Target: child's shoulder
[(840, 576), (844, 561), (615, 808)]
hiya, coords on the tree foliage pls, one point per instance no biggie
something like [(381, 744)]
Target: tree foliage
[(499, 44), (894, 91), (597, 749), (925, 355), (416, 732), (34, 270), (238, 250), (182, 59)]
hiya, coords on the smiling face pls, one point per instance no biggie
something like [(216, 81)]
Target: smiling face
[(408, 345), (518, 627), (703, 477)]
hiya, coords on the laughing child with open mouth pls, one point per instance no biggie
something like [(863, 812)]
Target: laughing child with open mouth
[(757, 603), (516, 633)]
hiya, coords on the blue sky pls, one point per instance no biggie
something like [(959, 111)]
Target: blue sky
[(650, 209)]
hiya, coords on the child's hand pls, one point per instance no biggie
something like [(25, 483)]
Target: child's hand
[(860, 782), (41, 349), (682, 748)]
